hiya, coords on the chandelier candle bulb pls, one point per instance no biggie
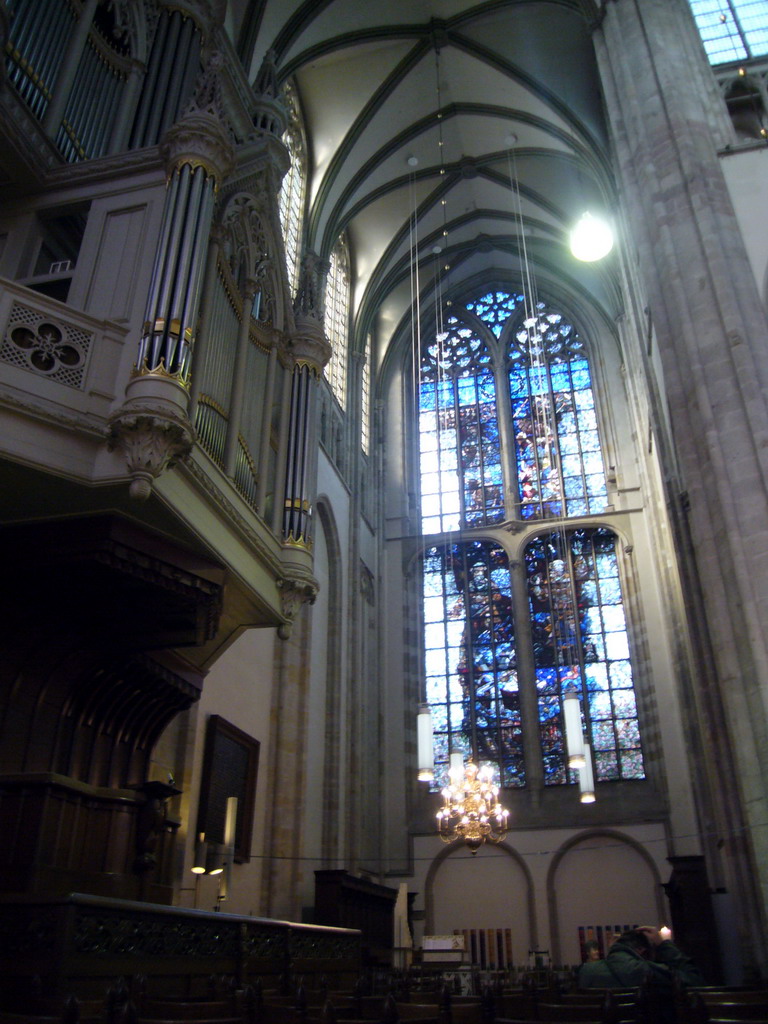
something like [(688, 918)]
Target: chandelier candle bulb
[(574, 734), (471, 811)]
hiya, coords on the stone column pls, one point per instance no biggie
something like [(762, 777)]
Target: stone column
[(152, 427), (667, 123), (310, 350)]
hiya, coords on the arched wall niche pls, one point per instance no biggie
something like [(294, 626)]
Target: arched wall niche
[(622, 886), (491, 889)]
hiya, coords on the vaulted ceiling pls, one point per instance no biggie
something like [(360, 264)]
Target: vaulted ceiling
[(469, 133)]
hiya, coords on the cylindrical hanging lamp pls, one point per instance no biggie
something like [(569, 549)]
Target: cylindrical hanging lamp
[(587, 778), (574, 734), (426, 755)]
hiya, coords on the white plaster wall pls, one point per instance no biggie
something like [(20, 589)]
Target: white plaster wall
[(238, 688), (316, 734), (602, 881), (572, 873), (492, 893)]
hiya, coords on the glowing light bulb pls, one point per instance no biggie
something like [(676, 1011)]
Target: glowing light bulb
[(591, 239)]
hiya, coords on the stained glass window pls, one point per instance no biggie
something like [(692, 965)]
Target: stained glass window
[(580, 640), (557, 446), (732, 30), (574, 605), (461, 483), (337, 320), (293, 188), (495, 309), (469, 657)]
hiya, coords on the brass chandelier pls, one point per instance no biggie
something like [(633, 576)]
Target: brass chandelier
[(471, 810)]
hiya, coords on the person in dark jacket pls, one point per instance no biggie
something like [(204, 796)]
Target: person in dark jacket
[(642, 957)]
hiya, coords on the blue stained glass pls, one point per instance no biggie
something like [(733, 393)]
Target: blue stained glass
[(569, 444), (621, 674), (434, 635), (436, 661), (624, 703), (614, 618), (587, 420), (560, 377), (632, 764), (610, 591), (603, 637), (571, 465), (594, 647), (616, 646), (607, 565), (584, 400), (566, 423), (467, 391), (435, 693), (603, 737), (581, 378), (439, 714), (537, 380), (596, 676), (589, 592), (455, 687), (628, 732), (596, 486), (440, 747), (546, 680), (606, 765), (590, 620), (433, 609)]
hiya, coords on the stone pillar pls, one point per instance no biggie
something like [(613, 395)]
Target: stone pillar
[(667, 123), (310, 350), (152, 427)]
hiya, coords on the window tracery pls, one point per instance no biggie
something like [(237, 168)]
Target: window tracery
[(508, 364), (293, 189), (337, 320)]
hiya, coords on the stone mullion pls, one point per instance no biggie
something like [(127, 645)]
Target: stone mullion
[(711, 328), (526, 677), (508, 466)]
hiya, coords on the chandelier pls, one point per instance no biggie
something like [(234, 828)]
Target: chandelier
[(471, 810)]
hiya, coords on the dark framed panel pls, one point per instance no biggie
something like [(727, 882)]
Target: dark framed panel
[(230, 767)]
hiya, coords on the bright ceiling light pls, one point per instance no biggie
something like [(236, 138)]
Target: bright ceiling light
[(591, 238)]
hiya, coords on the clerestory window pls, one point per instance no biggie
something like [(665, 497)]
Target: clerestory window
[(337, 320), (509, 436), (293, 189)]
